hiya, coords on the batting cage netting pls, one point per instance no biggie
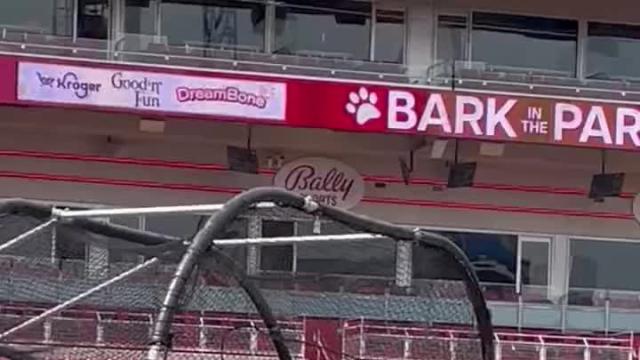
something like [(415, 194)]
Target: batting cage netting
[(267, 275)]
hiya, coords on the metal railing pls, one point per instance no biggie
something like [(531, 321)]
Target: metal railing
[(118, 332), (403, 341), (453, 75)]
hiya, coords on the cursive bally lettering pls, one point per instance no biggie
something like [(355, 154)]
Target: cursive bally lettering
[(306, 178)]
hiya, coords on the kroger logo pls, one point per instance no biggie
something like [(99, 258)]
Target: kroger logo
[(71, 82)]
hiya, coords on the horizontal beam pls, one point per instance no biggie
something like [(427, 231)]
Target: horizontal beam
[(154, 210), (285, 240)]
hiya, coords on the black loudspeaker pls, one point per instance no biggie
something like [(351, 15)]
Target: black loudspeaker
[(242, 160), (461, 175), (606, 185)]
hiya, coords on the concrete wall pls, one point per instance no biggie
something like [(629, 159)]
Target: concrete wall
[(530, 189)]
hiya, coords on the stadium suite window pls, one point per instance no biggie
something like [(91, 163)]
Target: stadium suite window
[(140, 17), (494, 257), (338, 30), (277, 257), (452, 38), (214, 23), (51, 17), (612, 51), (525, 43), (389, 36), (598, 264), (94, 19)]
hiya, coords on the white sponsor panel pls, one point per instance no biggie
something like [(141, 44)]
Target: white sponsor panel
[(149, 91), (327, 181)]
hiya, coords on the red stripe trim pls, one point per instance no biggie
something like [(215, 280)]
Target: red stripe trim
[(370, 200), (218, 167)]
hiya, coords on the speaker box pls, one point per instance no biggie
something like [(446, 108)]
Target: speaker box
[(242, 160), (461, 175), (606, 185)]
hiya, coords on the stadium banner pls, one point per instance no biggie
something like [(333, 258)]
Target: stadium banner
[(330, 104), (139, 90)]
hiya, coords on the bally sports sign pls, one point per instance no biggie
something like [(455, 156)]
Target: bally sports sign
[(327, 181)]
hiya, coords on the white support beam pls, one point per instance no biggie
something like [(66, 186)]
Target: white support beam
[(286, 240), (180, 209)]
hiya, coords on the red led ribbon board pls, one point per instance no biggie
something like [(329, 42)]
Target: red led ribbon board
[(325, 104)]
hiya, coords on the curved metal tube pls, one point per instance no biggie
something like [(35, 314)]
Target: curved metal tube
[(216, 226)]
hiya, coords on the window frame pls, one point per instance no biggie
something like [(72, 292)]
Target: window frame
[(469, 15)]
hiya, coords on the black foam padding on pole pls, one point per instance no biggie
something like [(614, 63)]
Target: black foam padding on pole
[(230, 211)]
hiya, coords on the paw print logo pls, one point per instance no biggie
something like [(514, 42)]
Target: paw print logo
[(362, 105)]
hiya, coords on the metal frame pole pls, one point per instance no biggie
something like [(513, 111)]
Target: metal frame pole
[(93, 213), (286, 240), (77, 298)]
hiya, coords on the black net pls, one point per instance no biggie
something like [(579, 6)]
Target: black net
[(351, 298)]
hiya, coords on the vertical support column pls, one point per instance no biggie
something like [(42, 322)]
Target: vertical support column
[(560, 269), (404, 263), (607, 314), (420, 36), (372, 31), (582, 49), (74, 20), (253, 251), (269, 26)]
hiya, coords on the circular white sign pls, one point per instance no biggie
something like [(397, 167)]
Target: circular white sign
[(327, 181), (636, 207)]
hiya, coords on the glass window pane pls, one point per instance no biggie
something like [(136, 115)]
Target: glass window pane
[(93, 19), (341, 30), (612, 51), (604, 265), (277, 257), (389, 42), (525, 42), (535, 263), (139, 17), (452, 38), (219, 23), (369, 257), (37, 16), (492, 255)]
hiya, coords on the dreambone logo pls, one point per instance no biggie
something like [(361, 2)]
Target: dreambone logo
[(362, 105)]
